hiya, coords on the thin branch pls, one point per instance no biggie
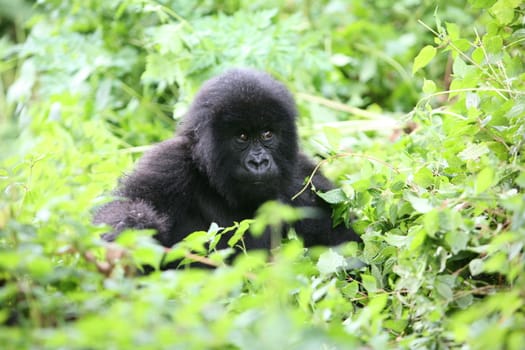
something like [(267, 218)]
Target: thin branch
[(340, 155), (340, 106)]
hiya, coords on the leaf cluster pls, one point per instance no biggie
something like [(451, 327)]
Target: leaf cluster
[(417, 111)]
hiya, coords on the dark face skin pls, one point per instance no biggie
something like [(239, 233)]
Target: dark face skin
[(249, 160), (256, 163)]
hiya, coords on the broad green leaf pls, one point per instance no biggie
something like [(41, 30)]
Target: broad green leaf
[(493, 44), (504, 10), (350, 289), (424, 177), (369, 282), (334, 196), (478, 55), (424, 57)]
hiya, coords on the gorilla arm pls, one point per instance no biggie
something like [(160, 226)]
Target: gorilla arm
[(144, 197)]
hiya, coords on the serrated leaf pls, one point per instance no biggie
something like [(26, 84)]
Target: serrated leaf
[(424, 57)]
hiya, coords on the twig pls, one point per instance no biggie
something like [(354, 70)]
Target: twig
[(340, 155)]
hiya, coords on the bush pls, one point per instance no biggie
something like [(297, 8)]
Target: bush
[(417, 111)]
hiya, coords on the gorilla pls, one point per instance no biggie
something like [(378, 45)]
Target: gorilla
[(235, 149)]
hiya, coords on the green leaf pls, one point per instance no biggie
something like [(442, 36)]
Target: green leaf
[(330, 262), (452, 31), (444, 285), (369, 282), (457, 240), (334, 196), (473, 151), (421, 205), (459, 67), (484, 180), (424, 177), (396, 325), (429, 87), (476, 266), (504, 10), (333, 135), (482, 3), (350, 290), (424, 57), (397, 240), (239, 232), (431, 222)]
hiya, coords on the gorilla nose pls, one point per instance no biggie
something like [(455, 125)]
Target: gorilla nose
[(258, 164)]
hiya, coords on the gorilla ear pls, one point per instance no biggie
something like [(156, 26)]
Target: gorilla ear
[(203, 149)]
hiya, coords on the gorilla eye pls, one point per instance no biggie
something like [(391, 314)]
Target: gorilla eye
[(267, 135), (243, 137)]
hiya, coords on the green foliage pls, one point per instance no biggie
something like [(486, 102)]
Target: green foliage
[(421, 121)]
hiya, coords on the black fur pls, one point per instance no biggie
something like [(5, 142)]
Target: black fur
[(236, 148)]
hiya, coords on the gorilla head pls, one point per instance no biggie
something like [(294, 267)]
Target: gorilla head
[(243, 127), (236, 148)]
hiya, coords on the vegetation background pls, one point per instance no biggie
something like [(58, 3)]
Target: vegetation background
[(416, 108)]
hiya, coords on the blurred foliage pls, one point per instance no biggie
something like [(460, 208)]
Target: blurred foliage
[(416, 108)]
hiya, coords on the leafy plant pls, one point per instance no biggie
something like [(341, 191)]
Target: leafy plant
[(417, 110)]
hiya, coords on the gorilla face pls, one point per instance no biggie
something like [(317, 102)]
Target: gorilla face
[(245, 136)]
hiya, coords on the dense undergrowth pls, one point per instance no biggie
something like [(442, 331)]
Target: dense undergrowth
[(416, 108)]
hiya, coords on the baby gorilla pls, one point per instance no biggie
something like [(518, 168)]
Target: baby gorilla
[(235, 149)]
